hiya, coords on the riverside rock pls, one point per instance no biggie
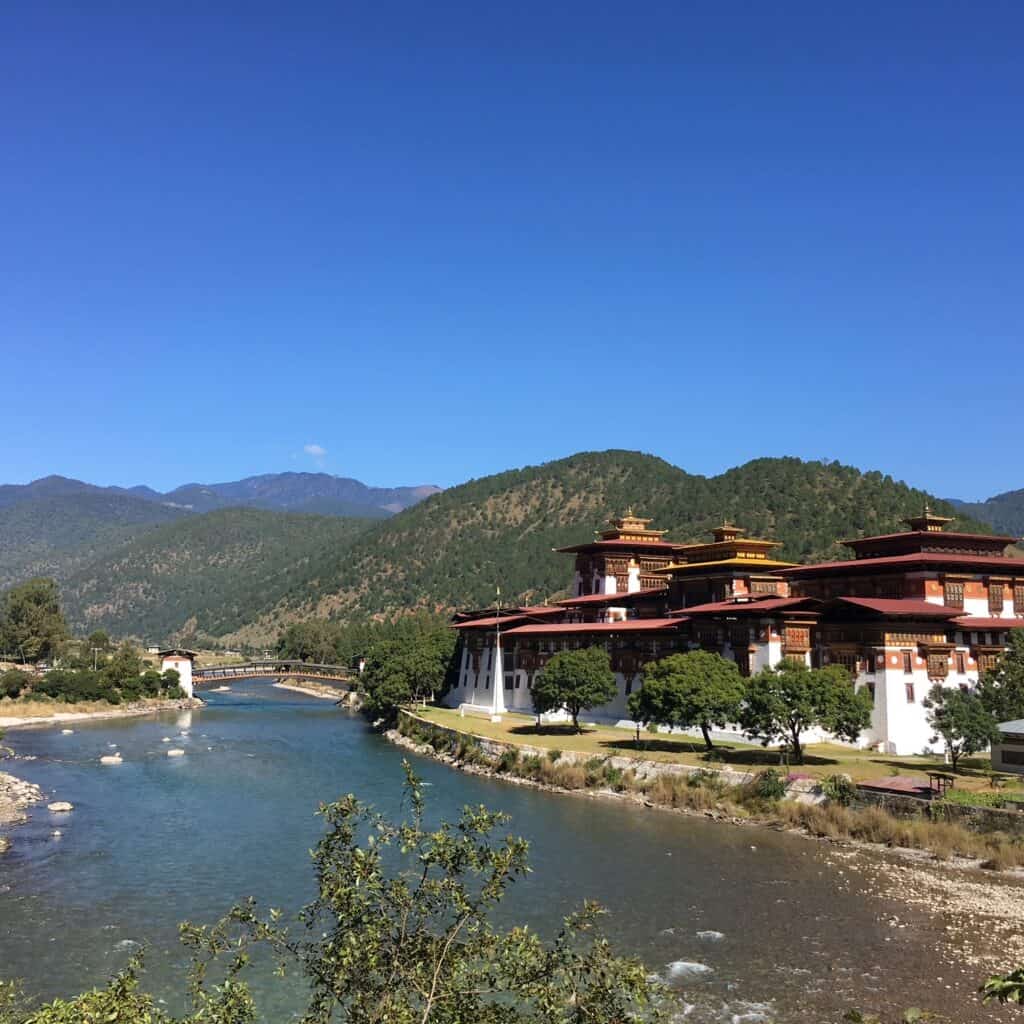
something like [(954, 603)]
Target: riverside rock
[(110, 759), (60, 805), (176, 752)]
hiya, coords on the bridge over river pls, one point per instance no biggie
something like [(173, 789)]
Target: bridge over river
[(333, 674)]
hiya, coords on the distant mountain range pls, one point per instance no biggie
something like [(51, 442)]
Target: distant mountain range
[(232, 563), (318, 493), (55, 525), (1004, 512)]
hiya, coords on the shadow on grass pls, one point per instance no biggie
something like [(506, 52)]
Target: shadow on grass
[(722, 754)]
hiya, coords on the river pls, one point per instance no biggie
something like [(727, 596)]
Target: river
[(790, 932)]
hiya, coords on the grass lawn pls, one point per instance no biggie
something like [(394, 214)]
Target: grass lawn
[(820, 759)]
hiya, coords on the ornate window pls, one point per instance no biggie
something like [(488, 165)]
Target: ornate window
[(938, 665), (909, 688), (961, 663), (1018, 600), (954, 595), (995, 597), (908, 662)]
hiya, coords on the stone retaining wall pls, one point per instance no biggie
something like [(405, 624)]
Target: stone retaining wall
[(445, 736)]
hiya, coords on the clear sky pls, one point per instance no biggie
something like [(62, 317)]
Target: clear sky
[(424, 242)]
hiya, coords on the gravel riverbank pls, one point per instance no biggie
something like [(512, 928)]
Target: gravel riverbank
[(68, 718)]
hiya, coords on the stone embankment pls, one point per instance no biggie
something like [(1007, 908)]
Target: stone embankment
[(312, 688)]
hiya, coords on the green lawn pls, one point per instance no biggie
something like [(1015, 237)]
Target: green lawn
[(821, 759)]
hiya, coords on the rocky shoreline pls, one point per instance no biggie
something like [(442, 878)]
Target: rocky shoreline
[(311, 689), (16, 797)]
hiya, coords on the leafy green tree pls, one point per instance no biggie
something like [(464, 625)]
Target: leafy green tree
[(961, 719), (782, 703), (14, 682), (698, 689), (1001, 689), (398, 672), (124, 671), (574, 681), (414, 941), (32, 624)]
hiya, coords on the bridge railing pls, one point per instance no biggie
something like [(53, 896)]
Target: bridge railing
[(271, 668)]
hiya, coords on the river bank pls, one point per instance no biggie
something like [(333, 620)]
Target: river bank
[(16, 796), (34, 715), (312, 689), (977, 905)]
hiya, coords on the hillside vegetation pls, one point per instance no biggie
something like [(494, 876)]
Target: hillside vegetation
[(206, 575), (1004, 513), (453, 549), (52, 534)]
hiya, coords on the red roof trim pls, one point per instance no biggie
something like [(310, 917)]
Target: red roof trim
[(1011, 565), (624, 545), (629, 626), (953, 534), (900, 608), (613, 598), (979, 622), (755, 606)]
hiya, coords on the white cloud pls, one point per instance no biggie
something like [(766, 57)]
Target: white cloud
[(316, 450)]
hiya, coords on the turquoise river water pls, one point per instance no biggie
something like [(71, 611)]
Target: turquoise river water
[(748, 923)]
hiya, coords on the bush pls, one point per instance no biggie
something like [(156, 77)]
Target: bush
[(554, 755), (14, 682), (769, 785), (840, 789), (508, 760)]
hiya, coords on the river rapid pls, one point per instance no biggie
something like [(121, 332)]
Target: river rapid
[(750, 924)]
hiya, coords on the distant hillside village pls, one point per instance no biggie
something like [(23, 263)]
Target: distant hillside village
[(911, 609)]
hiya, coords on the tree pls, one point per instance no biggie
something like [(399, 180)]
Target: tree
[(697, 689), (782, 703), (124, 671), (1001, 689), (574, 681), (961, 719), (32, 624), (400, 671)]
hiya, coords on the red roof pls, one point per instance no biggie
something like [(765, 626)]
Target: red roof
[(541, 611), (629, 626), (624, 545), (899, 608), (930, 535), (613, 598), (752, 606), (980, 622), (1010, 565)]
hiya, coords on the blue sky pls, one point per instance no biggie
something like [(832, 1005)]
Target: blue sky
[(433, 241)]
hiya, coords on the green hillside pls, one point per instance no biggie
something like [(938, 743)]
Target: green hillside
[(205, 575), (53, 534), (1004, 512), (452, 549)]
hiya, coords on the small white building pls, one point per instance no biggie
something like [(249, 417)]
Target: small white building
[(181, 660), (1008, 753)]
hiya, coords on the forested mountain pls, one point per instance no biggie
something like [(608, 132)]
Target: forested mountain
[(205, 575), (1004, 513), (242, 574), (453, 549), (55, 529)]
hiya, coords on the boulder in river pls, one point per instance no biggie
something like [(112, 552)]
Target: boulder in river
[(176, 752), (60, 805), (110, 759), (66, 732)]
